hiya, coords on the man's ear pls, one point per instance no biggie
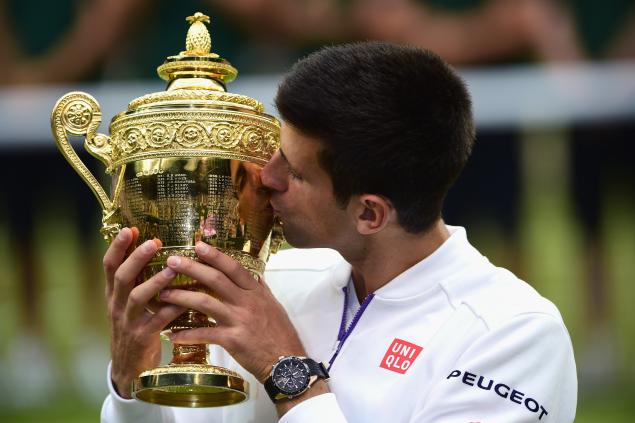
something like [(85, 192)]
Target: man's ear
[(372, 213)]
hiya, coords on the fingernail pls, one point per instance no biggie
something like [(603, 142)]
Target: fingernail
[(123, 235), (174, 261), (164, 294), (202, 248), (168, 273), (149, 246)]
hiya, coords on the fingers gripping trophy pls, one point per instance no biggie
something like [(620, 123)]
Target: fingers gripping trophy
[(185, 166)]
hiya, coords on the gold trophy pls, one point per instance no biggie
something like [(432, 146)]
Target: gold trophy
[(185, 166)]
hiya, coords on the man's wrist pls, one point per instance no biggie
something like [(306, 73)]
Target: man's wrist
[(320, 387), (121, 387), (266, 373)]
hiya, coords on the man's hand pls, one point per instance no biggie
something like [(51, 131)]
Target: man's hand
[(135, 344), (251, 324)]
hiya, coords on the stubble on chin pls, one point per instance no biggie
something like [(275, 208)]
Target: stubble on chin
[(296, 238)]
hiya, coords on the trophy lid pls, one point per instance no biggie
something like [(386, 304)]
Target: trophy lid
[(195, 115), (197, 59), (197, 73)]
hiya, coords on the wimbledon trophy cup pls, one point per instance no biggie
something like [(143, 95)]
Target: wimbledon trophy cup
[(185, 166)]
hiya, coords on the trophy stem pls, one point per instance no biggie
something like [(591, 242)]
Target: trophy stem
[(189, 380), (189, 354)]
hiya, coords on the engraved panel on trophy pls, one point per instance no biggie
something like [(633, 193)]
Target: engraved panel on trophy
[(181, 201)]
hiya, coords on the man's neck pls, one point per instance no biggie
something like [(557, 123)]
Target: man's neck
[(386, 257)]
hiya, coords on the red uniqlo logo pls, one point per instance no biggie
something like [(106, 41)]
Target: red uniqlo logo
[(400, 356)]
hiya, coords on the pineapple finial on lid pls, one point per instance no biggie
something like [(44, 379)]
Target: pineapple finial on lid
[(198, 41), (198, 60)]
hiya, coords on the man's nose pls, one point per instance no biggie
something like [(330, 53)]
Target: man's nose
[(272, 175)]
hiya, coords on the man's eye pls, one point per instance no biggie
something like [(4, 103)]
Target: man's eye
[(293, 174)]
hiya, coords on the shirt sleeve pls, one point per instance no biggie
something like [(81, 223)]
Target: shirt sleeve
[(119, 410), (522, 371), (319, 409)]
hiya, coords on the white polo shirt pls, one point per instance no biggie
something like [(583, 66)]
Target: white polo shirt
[(452, 339)]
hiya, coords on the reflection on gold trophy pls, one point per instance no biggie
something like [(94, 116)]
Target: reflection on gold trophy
[(185, 166)]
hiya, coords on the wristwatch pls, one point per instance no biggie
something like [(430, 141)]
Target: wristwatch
[(292, 376)]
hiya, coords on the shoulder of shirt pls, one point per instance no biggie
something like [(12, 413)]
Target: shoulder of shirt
[(305, 278), (495, 295), (303, 259)]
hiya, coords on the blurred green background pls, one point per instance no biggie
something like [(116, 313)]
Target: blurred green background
[(549, 193)]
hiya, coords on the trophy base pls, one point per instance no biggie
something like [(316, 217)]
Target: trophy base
[(190, 385)]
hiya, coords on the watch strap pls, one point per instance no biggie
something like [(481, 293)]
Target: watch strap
[(272, 390), (316, 369)]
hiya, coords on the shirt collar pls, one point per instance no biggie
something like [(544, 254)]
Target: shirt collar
[(452, 256)]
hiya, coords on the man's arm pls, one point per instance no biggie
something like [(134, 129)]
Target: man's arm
[(522, 371), (252, 326)]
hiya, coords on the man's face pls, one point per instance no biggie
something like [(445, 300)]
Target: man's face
[(302, 194)]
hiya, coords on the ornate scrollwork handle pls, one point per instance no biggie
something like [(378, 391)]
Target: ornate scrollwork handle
[(79, 113), (277, 236)]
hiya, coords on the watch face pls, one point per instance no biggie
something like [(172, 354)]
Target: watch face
[(291, 375)]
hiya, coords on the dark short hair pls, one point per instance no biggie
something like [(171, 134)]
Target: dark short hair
[(395, 121)]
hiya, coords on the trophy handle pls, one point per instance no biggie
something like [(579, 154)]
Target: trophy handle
[(277, 236), (79, 113)]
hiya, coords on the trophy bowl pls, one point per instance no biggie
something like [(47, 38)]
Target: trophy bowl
[(185, 166)]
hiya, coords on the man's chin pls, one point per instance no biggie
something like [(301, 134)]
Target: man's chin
[(296, 239)]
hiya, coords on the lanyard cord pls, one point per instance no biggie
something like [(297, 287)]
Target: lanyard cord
[(344, 333)]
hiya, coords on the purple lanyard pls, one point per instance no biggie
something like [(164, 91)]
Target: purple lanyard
[(344, 332)]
